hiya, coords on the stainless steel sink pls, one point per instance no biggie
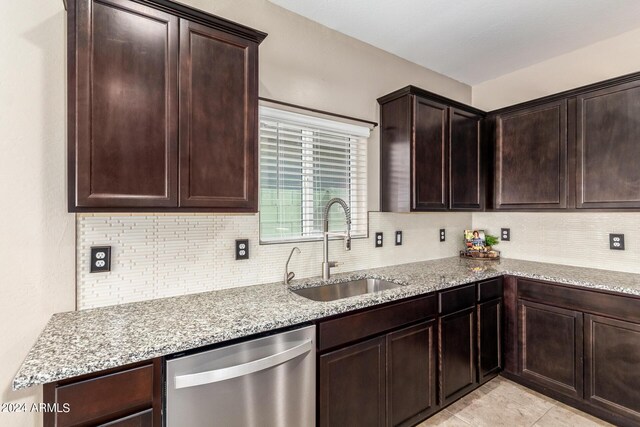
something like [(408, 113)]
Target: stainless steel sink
[(345, 289)]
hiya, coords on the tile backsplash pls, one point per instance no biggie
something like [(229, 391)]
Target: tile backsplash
[(574, 238), (162, 255)]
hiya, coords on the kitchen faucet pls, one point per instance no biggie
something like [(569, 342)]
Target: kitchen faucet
[(326, 264), (289, 276)]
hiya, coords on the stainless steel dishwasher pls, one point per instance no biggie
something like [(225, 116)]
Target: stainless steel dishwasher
[(268, 381)]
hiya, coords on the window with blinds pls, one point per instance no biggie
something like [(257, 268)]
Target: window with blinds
[(304, 162)]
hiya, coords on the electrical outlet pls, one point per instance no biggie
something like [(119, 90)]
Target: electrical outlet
[(378, 240), (242, 249), (398, 238), (505, 234), (443, 235), (100, 259), (616, 242)]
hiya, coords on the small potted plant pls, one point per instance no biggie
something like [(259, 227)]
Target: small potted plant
[(491, 241)]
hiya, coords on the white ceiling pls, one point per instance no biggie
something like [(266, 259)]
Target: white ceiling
[(473, 40)]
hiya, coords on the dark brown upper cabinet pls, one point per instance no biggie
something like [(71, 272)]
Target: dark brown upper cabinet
[(123, 84), (133, 68), (218, 119), (431, 151), (608, 147), (573, 150), (531, 157), (466, 165), (429, 163)]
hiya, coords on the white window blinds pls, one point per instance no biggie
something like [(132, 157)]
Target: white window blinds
[(304, 162)]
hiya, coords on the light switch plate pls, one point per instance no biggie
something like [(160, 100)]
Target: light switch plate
[(443, 235), (242, 249), (505, 234), (100, 259), (616, 242), (398, 238), (379, 239)]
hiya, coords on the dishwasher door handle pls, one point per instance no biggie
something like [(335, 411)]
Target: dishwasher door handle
[(217, 375)]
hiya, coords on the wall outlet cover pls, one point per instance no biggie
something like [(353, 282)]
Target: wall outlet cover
[(616, 242), (398, 238), (242, 249), (100, 259), (379, 238), (443, 235), (505, 234)]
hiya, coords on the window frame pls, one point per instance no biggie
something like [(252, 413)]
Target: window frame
[(310, 120)]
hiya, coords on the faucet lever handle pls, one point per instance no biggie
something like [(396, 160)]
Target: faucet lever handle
[(290, 276)]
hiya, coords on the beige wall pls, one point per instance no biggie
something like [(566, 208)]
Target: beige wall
[(301, 62), (571, 238), (600, 61), (37, 245)]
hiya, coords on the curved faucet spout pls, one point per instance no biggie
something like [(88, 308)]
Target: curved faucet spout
[(326, 264), (325, 213), (289, 276)]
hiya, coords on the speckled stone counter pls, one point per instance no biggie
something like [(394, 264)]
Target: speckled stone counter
[(87, 341)]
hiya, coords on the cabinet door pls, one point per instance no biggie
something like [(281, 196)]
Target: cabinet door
[(411, 374), (218, 119), (123, 106), (466, 183), (429, 155), (550, 347), (612, 378), (352, 385), (608, 131), (531, 158), (489, 339), (457, 355), (395, 155)]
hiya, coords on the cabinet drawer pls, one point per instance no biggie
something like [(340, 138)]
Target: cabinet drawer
[(353, 327), (457, 299), (104, 398), (491, 289), (625, 307)]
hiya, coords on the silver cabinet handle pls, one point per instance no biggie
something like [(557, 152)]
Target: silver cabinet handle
[(217, 375)]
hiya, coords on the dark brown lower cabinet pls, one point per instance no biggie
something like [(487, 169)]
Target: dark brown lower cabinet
[(377, 367), (457, 355), (124, 397), (576, 345), (551, 347), (612, 374), (352, 385), (411, 374), (489, 339)]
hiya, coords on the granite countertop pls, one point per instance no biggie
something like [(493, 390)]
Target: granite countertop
[(82, 342)]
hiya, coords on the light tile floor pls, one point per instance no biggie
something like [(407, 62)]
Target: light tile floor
[(501, 402)]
